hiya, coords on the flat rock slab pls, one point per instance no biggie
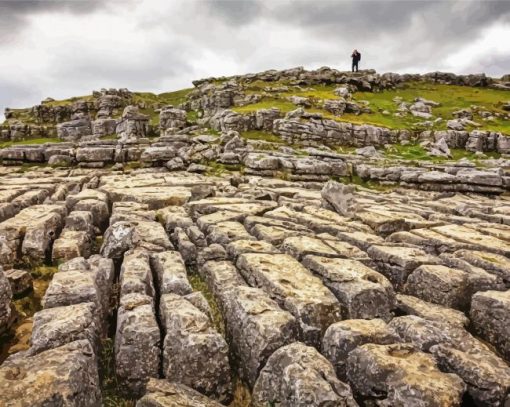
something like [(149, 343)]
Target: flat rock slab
[(256, 327), (487, 376), (440, 285), (54, 327), (136, 274), (162, 393), (344, 336), (295, 289), (362, 292), (397, 262), (297, 375), (237, 247), (65, 376), (493, 263), (194, 353), (226, 232), (407, 304), (170, 272), (155, 197), (490, 315), (480, 240), (137, 343), (403, 376), (221, 277), (71, 244)]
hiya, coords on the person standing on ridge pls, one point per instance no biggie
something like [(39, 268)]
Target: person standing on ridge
[(356, 57)]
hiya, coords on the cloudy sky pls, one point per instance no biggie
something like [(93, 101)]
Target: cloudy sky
[(64, 48)]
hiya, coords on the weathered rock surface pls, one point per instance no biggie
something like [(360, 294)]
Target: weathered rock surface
[(257, 327), (65, 376), (362, 292), (5, 302), (194, 353), (161, 393), (344, 336), (137, 343), (297, 375), (295, 289), (487, 376), (54, 327), (398, 375), (490, 313)]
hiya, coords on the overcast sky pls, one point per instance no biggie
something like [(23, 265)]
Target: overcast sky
[(69, 48)]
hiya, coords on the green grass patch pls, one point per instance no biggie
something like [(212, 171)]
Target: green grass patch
[(192, 116), (109, 384), (451, 98), (109, 137), (261, 135), (69, 101), (416, 152), (369, 184), (168, 98), (198, 284), (266, 103), (30, 141)]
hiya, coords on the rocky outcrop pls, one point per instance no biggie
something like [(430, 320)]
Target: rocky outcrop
[(132, 126)]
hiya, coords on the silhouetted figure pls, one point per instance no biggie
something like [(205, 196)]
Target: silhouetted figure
[(356, 57)]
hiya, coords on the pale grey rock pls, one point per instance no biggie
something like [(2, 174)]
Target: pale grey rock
[(19, 280), (410, 305), (440, 285), (119, 238), (66, 376), (256, 327), (74, 129), (295, 289), (486, 375), (170, 272), (344, 336), (194, 353), (136, 274), (340, 196), (362, 292), (54, 327), (297, 375), (137, 343), (398, 375), (162, 393), (490, 314)]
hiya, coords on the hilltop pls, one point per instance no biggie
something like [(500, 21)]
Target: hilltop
[(403, 119)]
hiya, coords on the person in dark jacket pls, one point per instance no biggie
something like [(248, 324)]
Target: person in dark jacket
[(356, 57)]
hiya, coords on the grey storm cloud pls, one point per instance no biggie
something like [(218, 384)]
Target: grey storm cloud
[(14, 13), (162, 45)]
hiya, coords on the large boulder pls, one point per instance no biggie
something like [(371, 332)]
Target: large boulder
[(133, 125), (340, 197), (171, 118), (74, 129)]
